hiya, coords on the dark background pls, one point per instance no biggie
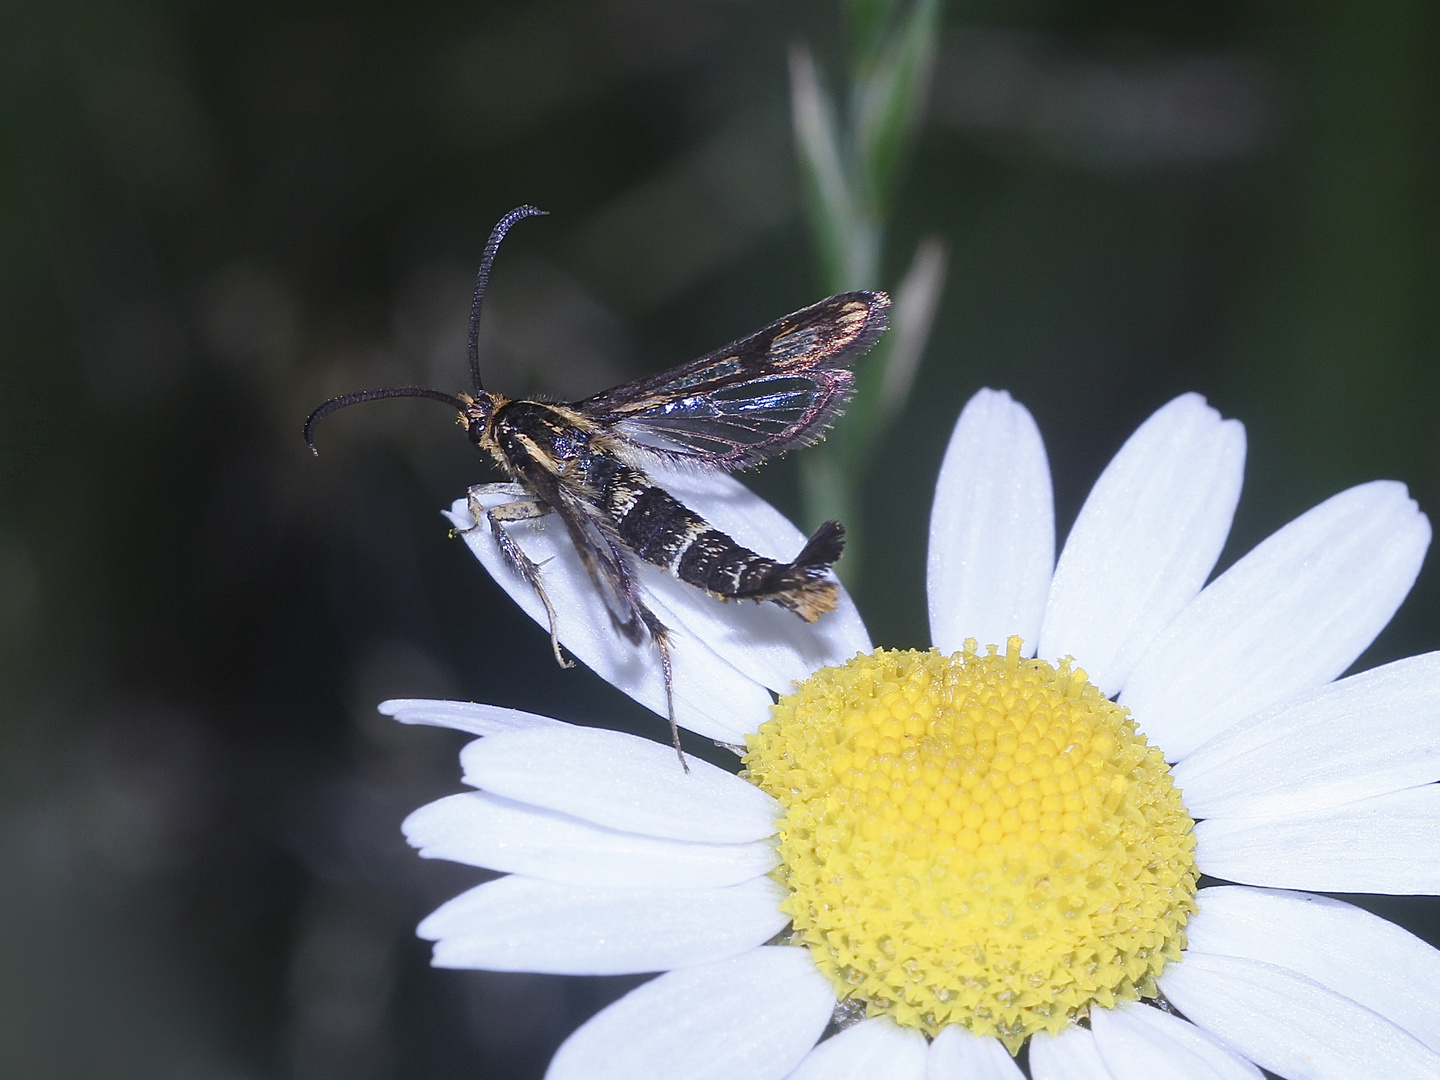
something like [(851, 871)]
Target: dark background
[(216, 215)]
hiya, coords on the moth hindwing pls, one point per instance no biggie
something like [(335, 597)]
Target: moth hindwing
[(586, 462)]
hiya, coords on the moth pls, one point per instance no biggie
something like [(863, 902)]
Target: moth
[(585, 462)]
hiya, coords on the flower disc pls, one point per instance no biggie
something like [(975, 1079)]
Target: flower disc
[(975, 839)]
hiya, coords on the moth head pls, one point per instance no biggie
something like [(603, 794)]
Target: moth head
[(475, 414)]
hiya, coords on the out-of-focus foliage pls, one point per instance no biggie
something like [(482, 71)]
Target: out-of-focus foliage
[(214, 216), (851, 164)]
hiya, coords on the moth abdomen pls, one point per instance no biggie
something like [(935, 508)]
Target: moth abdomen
[(716, 563), (660, 529)]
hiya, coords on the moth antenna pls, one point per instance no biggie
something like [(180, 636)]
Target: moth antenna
[(491, 246), (346, 400)]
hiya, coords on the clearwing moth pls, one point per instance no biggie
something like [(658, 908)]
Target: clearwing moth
[(585, 461)]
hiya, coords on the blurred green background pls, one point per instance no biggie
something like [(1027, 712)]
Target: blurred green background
[(216, 215)]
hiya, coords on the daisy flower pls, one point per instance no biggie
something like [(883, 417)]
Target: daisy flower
[(934, 858)]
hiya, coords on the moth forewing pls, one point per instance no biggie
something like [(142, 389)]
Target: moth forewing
[(586, 463), (771, 391)]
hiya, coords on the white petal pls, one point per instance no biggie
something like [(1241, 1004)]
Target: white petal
[(770, 644), (956, 1054), (1290, 1025), (464, 716), (1288, 617), (754, 1015), (875, 1049), (620, 781), (1071, 1055), (1146, 539), (524, 924), (697, 665), (1138, 1042), (1388, 844), (992, 529), (1375, 732), (1345, 948), (712, 698), (481, 829)]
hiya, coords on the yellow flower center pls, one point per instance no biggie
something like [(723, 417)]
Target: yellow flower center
[(975, 839)]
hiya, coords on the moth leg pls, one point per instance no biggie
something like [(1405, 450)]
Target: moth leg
[(617, 570), (660, 634), (520, 509), (517, 492)]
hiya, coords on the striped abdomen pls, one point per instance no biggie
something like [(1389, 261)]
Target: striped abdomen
[(662, 530)]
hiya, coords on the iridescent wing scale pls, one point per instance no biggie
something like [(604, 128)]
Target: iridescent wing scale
[(779, 388)]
